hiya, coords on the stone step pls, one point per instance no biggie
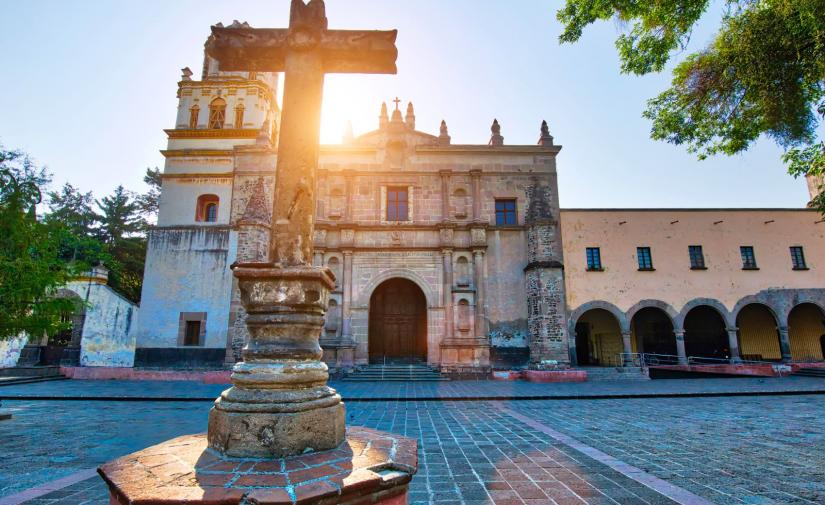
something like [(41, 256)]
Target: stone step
[(30, 371), (615, 374), (811, 372), (394, 372), (11, 381)]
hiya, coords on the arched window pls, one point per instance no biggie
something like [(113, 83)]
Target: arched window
[(239, 116), (462, 271), (193, 116), (335, 265), (332, 317), (207, 209), (217, 113)]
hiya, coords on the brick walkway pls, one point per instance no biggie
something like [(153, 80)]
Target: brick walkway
[(754, 450)]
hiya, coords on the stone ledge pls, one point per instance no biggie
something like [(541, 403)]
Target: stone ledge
[(554, 375), (369, 467)]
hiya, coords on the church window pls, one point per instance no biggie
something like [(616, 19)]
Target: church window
[(697, 257), (335, 265), (460, 200), (748, 258), (207, 209), (193, 116), (798, 258), (217, 113), (506, 211), (594, 259), (645, 260), (239, 116), (397, 204), (463, 315)]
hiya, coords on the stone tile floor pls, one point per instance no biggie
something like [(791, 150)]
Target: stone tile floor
[(753, 450), (424, 390)]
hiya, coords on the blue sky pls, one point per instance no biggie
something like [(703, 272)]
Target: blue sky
[(88, 87)]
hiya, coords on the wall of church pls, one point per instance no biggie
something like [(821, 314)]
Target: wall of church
[(668, 233), (187, 270), (505, 261), (179, 199), (108, 338)]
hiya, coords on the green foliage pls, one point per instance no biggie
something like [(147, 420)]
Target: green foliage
[(31, 269), (150, 201), (763, 73)]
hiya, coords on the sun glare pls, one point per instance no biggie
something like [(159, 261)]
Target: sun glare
[(352, 99)]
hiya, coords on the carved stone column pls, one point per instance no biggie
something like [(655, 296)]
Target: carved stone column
[(680, 346), (447, 261), (733, 344), (627, 348), (445, 194), (476, 187), (349, 176), (785, 343), (346, 306), (479, 280)]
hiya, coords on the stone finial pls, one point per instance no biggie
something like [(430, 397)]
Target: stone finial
[(383, 118), (348, 135), (409, 118), (546, 140), (186, 74), (496, 139), (238, 24), (443, 136)]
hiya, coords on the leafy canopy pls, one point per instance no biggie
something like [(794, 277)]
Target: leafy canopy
[(763, 73)]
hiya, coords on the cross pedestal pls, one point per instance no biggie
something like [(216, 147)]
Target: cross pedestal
[(278, 434)]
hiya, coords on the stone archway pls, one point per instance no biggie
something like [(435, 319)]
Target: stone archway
[(705, 333), (397, 323)]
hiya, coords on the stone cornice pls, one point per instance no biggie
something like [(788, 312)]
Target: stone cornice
[(485, 149), (436, 227), (543, 264), (200, 175), (212, 133), (183, 153)]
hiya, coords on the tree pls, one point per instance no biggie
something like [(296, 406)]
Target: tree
[(763, 73), (73, 209), (122, 230), (150, 201), (31, 269)]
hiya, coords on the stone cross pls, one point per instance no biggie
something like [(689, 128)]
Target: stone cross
[(280, 404), (304, 52)]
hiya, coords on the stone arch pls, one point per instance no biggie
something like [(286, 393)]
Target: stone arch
[(334, 264), (806, 328), (430, 292), (716, 305), (801, 298), (757, 330), (658, 304), (779, 316), (624, 321), (463, 273)]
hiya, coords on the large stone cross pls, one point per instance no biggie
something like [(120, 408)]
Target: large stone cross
[(304, 52), (280, 404)]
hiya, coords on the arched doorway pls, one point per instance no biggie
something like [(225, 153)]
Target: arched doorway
[(806, 326), (598, 339), (63, 346), (398, 323), (705, 334), (758, 336), (653, 331)]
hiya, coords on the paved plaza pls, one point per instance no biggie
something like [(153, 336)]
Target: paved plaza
[(740, 449)]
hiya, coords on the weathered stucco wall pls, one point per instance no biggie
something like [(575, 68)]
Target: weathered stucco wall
[(187, 270), (668, 233), (506, 307), (108, 329), (10, 351)]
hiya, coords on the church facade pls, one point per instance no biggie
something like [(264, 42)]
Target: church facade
[(459, 255)]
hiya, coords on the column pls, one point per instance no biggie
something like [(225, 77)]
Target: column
[(476, 187), (348, 211), (445, 194), (680, 346), (346, 316), (627, 349), (447, 259), (784, 343), (733, 344), (478, 279)]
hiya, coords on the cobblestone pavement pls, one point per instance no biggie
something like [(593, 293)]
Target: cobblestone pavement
[(426, 390), (755, 450)]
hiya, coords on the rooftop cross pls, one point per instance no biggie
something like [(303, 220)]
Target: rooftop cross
[(396, 101)]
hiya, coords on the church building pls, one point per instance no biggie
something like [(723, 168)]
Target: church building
[(458, 255)]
